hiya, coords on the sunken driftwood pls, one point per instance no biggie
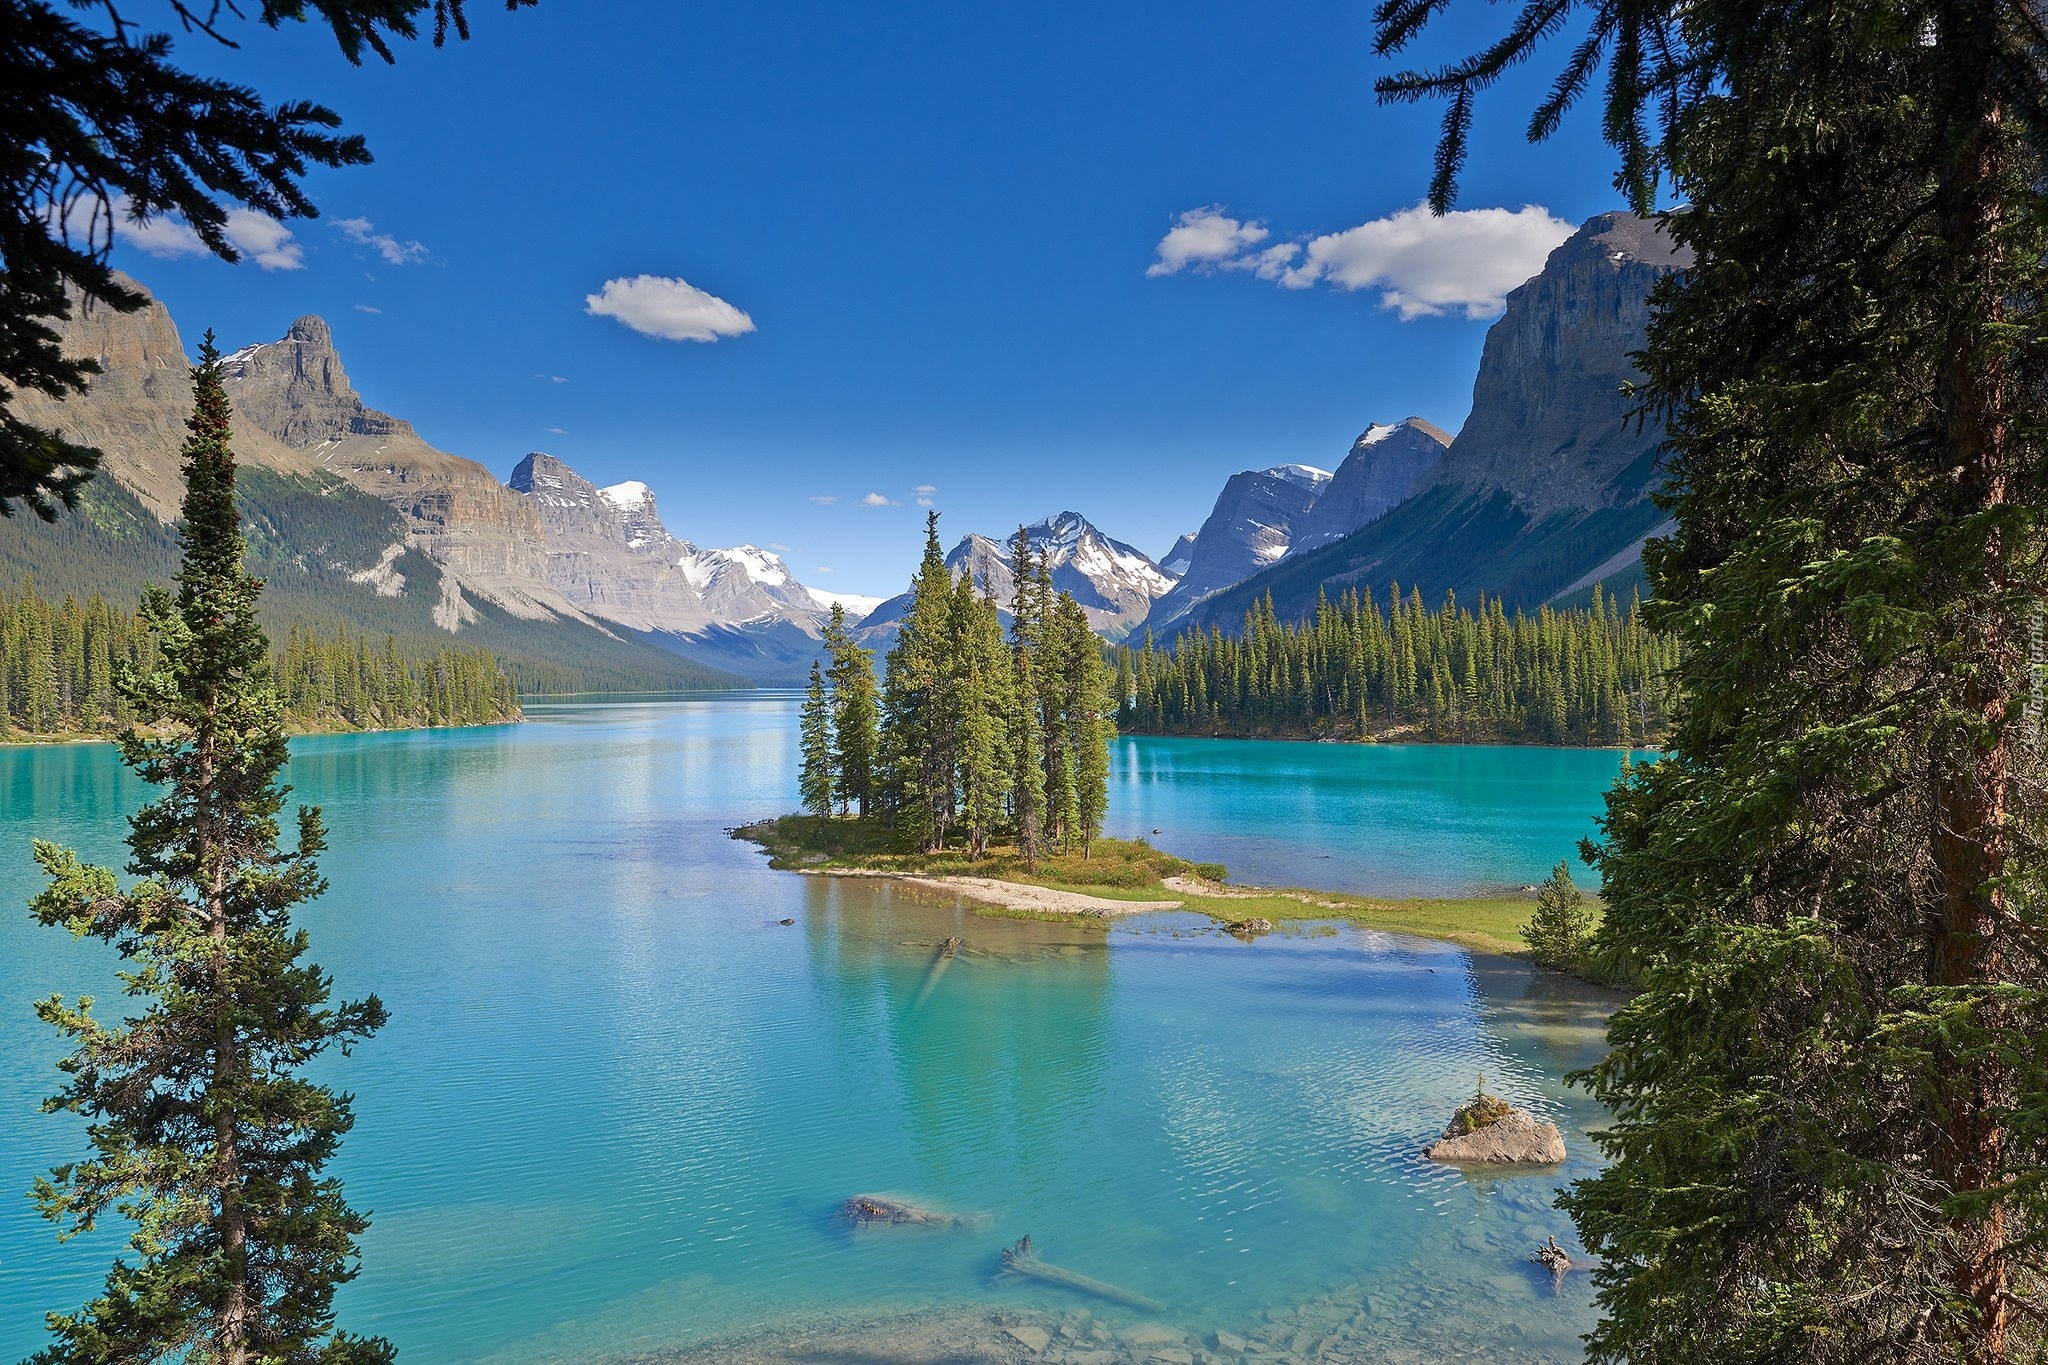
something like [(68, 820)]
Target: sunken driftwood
[(1552, 1257), (1019, 1262), (868, 1210)]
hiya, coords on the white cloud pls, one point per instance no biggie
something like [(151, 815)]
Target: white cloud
[(367, 308), (559, 378), (673, 309), (1427, 266), (1204, 239), (824, 499), (264, 240), (256, 236), (926, 502), (778, 547), (925, 490), (556, 431), (363, 231), (878, 500), (1422, 264), (824, 568)]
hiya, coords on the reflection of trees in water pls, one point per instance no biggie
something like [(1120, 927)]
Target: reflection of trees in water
[(994, 1051), (1549, 1021)]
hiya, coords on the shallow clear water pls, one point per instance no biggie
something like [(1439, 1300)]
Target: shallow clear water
[(618, 1102)]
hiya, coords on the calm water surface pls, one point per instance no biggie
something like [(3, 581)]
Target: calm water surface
[(618, 1101)]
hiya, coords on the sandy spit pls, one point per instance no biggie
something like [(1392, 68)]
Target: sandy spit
[(1007, 895)]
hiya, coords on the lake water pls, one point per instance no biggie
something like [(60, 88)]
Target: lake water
[(618, 1101)]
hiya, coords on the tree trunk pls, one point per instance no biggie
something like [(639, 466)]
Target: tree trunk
[(1974, 787)]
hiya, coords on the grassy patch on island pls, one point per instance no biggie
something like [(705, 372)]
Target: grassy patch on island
[(1133, 870)]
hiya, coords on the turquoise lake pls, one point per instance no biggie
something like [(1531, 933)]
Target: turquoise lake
[(618, 1101)]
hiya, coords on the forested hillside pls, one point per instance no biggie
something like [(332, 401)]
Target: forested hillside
[(58, 662), (1354, 670)]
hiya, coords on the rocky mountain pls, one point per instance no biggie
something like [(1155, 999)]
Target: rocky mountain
[(436, 555), (1545, 490), (1113, 583), (1252, 525), (1383, 468), (295, 390), (1175, 561), (609, 553)]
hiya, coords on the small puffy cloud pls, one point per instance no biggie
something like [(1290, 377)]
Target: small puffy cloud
[(925, 490), (264, 240), (824, 568), (778, 547), (1203, 240), (368, 308), (878, 500), (364, 232), (1423, 264), (1426, 265), (824, 499), (556, 431), (673, 309)]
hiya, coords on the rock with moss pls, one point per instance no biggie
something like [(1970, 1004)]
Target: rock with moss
[(1487, 1130)]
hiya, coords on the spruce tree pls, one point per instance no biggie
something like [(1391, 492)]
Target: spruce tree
[(1089, 721), (1027, 741), (202, 1123), (1832, 1108), (985, 708), (920, 700), (856, 716), (816, 781), (1562, 925)]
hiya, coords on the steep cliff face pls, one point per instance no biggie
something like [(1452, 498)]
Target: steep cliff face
[(1545, 490), (296, 390), (134, 410), (1114, 584), (1252, 525), (1384, 466), (1550, 425)]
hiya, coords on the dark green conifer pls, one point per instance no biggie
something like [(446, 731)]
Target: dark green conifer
[(1560, 930), (816, 782), (202, 1123)]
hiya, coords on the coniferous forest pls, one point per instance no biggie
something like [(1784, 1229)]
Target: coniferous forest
[(974, 732), (59, 663), (1357, 670)]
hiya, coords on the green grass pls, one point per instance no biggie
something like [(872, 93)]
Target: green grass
[(1133, 870)]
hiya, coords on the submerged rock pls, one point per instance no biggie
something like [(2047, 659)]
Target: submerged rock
[(1248, 928)]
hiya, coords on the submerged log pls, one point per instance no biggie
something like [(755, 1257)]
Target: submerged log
[(865, 1210), (1552, 1257), (1020, 1262), (948, 950)]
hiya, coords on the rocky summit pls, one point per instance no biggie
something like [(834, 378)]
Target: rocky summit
[(1113, 583)]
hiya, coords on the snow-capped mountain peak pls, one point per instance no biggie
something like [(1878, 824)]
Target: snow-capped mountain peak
[(1301, 475)]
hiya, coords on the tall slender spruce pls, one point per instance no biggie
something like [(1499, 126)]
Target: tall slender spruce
[(856, 715), (1027, 790), (203, 1126), (1832, 1096), (817, 783)]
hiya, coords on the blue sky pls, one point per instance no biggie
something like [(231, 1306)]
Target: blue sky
[(943, 223)]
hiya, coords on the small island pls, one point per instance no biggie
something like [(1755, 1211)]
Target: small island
[(1117, 877)]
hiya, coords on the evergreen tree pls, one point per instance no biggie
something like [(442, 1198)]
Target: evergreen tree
[(856, 716), (1831, 1098), (1087, 707), (986, 705), (920, 704), (1027, 786), (818, 782), (1562, 926), (202, 1124)]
